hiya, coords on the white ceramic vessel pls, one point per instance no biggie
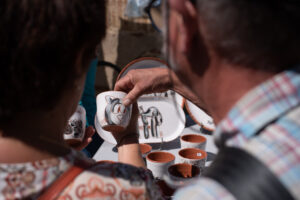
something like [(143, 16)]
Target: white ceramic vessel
[(112, 114), (158, 162), (160, 120), (192, 156), (75, 129), (193, 141)]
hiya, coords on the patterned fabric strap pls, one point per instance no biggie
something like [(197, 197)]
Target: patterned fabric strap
[(63, 181), (246, 177)]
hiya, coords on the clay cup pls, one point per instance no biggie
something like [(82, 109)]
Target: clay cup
[(113, 116), (158, 162), (193, 141)]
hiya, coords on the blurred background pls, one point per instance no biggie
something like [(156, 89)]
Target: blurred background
[(126, 39)]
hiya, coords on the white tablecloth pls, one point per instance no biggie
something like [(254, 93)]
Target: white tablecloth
[(108, 151)]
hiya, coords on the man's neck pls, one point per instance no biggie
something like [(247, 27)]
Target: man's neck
[(224, 85)]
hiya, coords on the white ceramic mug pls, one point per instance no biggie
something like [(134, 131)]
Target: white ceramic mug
[(158, 162), (193, 141), (75, 130), (192, 156), (111, 113)]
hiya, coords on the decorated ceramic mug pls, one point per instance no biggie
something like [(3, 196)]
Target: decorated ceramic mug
[(75, 130), (158, 162), (192, 156), (111, 113)]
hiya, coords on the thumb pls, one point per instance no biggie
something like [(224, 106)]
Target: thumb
[(132, 96)]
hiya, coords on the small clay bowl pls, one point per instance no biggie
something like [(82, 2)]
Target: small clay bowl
[(160, 157), (193, 141), (192, 153), (158, 162), (183, 171), (193, 156), (145, 149)]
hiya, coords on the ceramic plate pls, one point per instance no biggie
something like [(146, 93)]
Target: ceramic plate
[(151, 62), (160, 120), (199, 116)]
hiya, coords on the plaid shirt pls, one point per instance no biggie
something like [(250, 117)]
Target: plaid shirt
[(272, 109)]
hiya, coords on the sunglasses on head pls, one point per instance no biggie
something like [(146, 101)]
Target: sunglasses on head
[(154, 12)]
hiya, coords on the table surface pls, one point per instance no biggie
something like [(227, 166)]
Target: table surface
[(107, 151)]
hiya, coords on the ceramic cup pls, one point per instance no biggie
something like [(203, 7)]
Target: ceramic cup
[(193, 156), (75, 130), (182, 173), (158, 162), (145, 149), (111, 113), (193, 141)]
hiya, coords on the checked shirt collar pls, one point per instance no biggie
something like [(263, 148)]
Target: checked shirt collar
[(261, 106)]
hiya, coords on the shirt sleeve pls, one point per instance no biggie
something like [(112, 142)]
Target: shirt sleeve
[(205, 189)]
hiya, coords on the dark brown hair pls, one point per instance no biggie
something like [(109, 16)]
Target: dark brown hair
[(39, 42), (260, 34)]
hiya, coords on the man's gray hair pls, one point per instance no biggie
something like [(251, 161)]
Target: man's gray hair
[(261, 34)]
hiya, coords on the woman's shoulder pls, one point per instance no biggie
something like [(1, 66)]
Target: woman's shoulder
[(109, 180)]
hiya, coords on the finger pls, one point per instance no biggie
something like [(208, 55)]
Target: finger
[(133, 95), (89, 132), (124, 84), (83, 144)]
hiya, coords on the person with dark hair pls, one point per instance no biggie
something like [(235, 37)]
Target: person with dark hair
[(45, 49), (239, 60)]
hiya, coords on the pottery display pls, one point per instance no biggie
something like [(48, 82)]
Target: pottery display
[(160, 120)]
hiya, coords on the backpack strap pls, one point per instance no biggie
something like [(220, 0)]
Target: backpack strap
[(63, 181), (245, 177)]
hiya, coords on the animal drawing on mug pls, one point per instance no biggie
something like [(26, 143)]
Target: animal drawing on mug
[(156, 120), (115, 112), (74, 127)]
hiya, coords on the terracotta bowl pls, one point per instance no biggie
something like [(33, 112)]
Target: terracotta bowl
[(145, 148), (193, 141), (183, 171), (158, 162), (192, 153), (160, 157)]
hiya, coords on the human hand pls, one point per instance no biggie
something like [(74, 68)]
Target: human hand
[(143, 81), (130, 134), (128, 142), (89, 132)]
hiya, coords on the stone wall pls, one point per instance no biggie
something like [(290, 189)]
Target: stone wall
[(126, 39)]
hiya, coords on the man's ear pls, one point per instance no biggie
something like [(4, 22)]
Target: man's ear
[(188, 27), (192, 10)]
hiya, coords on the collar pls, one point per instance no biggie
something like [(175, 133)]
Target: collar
[(261, 106)]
